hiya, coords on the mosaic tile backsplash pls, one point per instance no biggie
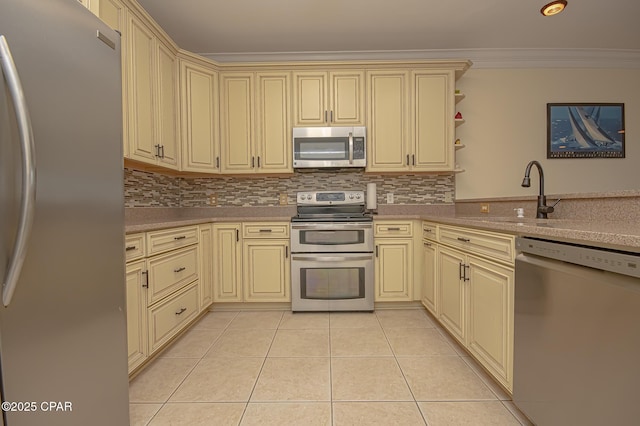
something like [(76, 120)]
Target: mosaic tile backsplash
[(147, 189)]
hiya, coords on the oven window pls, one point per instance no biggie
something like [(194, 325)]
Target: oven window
[(332, 283), (329, 238), (321, 149)]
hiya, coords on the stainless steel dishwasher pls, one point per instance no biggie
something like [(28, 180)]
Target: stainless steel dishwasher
[(577, 334)]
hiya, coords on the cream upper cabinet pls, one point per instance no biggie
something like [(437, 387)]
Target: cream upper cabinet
[(151, 95), (227, 249), (334, 98), (199, 119), (432, 120), (388, 120), (255, 123), (273, 122), (110, 11)]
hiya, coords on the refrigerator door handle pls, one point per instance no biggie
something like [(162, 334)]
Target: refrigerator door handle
[(27, 204)]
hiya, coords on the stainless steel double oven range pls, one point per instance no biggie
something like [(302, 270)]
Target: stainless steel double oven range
[(332, 252)]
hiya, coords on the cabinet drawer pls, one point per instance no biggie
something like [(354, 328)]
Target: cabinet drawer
[(170, 239), (429, 231), (134, 247), (170, 271), (484, 243), (265, 230), (170, 316), (393, 229)]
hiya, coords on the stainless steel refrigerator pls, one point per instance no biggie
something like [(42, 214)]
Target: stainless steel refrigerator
[(63, 343)]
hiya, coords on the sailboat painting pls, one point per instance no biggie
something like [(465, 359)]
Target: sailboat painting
[(585, 130)]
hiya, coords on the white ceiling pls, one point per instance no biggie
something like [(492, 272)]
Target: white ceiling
[(220, 27)]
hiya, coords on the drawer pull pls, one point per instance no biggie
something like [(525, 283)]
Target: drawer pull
[(464, 240), (393, 229), (181, 237), (181, 311), (428, 230), (427, 244), (265, 230), (146, 279), (129, 248), (180, 269)]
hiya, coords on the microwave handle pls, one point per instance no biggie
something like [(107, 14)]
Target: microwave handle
[(350, 147)]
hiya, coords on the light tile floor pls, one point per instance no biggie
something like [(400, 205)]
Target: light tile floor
[(390, 367)]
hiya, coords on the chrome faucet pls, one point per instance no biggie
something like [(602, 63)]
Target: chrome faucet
[(543, 209)]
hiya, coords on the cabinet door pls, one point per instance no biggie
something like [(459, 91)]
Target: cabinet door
[(432, 121), (228, 263), (310, 98), (136, 313), (346, 98), (451, 291), (273, 123), (491, 317), (111, 12), (429, 292), (205, 258), (266, 271), (199, 94), (167, 106), (388, 120), (140, 92), (237, 138), (394, 269)]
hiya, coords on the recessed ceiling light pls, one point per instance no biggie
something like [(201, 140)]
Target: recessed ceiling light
[(553, 8)]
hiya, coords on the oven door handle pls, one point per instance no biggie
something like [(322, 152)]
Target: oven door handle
[(333, 226), (331, 258)]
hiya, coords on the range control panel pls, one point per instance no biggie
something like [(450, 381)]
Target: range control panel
[(319, 198)]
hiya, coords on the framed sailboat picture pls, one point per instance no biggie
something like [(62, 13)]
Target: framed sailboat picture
[(585, 130)]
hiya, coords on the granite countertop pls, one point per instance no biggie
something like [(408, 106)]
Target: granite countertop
[(611, 234)]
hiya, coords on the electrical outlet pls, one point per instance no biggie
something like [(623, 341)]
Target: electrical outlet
[(390, 198), (212, 200), (484, 208), (284, 199)]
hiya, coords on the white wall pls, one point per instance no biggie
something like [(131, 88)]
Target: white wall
[(505, 127)]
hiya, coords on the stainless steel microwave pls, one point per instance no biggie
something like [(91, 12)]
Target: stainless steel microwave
[(318, 147)]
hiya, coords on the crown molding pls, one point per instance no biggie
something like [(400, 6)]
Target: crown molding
[(481, 58)]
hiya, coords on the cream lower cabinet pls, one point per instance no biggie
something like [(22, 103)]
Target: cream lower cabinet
[(137, 341), (205, 258), (430, 269), (164, 281), (227, 255), (252, 262), (393, 265), (475, 296)]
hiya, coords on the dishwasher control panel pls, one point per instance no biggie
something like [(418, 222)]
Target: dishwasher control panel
[(592, 257)]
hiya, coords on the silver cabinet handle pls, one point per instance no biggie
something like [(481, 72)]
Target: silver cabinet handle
[(253, 162), (464, 240), (157, 147), (179, 312), (331, 116), (376, 251), (325, 116), (146, 280), (27, 147), (258, 161), (181, 237), (413, 158), (265, 230), (129, 248), (407, 159), (393, 229), (161, 151), (180, 269), (217, 162), (286, 252), (466, 273), (461, 271), (350, 146)]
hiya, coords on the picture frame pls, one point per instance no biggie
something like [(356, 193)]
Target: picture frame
[(585, 130)]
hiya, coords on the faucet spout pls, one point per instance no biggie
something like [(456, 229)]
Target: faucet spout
[(543, 209)]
